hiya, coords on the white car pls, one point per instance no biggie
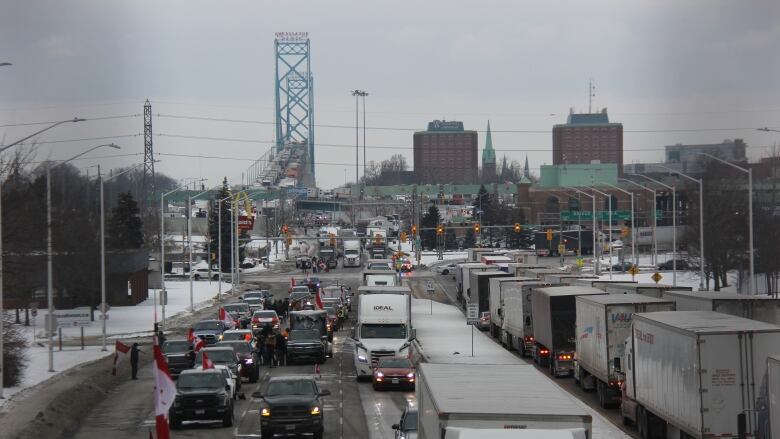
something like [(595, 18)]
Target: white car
[(230, 379), (446, 268)]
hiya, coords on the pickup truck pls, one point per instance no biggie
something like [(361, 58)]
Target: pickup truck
[(305, 344), (201, 395), (292, 404)]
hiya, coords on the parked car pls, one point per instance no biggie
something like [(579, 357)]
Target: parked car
[(624, 266), (292, 404), (394, 372), (250, 361), (240, 311), (209, 330), (446, 269), (204, 273), (406, 266), (681, 265), (255, 304), (484, 321), (303, 262), (201, 395), (407, 427)]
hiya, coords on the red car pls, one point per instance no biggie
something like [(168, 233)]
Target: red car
[(394, 372), (264, 318)]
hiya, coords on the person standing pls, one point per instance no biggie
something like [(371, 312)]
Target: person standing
[(281, 349), (270, 348), (134, 351)]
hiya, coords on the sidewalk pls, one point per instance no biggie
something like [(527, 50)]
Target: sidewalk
[(445, 332)]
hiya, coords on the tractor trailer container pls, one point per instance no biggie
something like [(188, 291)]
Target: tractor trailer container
[(513, 308), (652, 290), (761, 308)]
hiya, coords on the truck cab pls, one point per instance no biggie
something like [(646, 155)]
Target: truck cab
[(383, 329)]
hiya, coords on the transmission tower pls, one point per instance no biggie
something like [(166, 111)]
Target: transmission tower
[(294, 93), (148, 180)]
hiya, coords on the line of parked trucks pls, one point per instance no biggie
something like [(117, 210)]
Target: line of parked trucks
[(676, 363)]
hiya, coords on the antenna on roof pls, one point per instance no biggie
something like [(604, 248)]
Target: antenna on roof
[(591, 94)]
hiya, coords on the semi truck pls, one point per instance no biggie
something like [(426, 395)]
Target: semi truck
[(352, 253), (518, 268), (383, 328), (539, 273), (768, 419), (603, 323), (761, 308), (513, 306), (496, 302), (553, 313), (479, 288), (565, 279), (462, 277), (652, 290), (482, 396), (692, 373), (379, 277)]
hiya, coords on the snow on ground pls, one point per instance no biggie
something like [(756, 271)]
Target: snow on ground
[(123, 322), (445, 332)]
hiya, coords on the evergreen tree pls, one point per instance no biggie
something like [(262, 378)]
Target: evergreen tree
[(430, 220), (450, 241), (469, 241), (125, 225), (214, 232)]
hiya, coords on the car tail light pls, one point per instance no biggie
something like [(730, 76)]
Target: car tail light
[(544, 352)]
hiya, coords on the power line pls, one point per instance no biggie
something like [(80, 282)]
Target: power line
[(84, 139), (24, 124)]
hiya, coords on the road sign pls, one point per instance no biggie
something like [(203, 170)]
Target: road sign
[(634, 270), (472, 314), (73, 318), (34, 312), (561, 249), (297, 191), (429, 287), (245, 222), (656, 277)]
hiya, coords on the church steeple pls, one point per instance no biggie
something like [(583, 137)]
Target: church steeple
[(526, 169), (488, 154)]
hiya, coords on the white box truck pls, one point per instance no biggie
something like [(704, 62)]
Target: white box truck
[(539, 273), (380, 277), (488, 396), (496, 303), (691, 373), (516, 330), (352, 254), (565, 279), (598, 283), (603, 324), (462, 277), (518, 268), (652, 290), (761, 308), (553, 315), (383, 328)]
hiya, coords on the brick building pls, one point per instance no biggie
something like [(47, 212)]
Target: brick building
[(446, 153), (588, 138)]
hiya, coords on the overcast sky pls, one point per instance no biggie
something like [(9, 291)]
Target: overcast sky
[(709, 66)]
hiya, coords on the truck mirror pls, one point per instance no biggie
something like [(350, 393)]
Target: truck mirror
[(227, 387), (616, 363), (324, 392), (396, 426), (412, 334), (257, 395)]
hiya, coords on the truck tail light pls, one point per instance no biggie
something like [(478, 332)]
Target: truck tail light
[(544, 352)]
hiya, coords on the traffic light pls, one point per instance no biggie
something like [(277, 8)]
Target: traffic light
[(549, 234), (403, 236), (378, 239), (440, 229), (414, 230), (289, 240), (518, 227), (332, 240), (285, 229), (477, 228)]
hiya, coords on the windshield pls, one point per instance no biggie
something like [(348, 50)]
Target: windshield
[(241, 347), (378, 267), (230, 336), (175, 347), (395, 363), (253, 301), (383, 331), (300, 289), (253, 295), (237, 308), (410, 421), (217, 356), (290, 387), (351, 252), (298, 296), (304, 334), (265, 314), (200, 381), (207, 326)]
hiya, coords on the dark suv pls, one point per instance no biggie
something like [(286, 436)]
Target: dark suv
[(292, 404), (179, 355), (305, 344), (201, 395), (250, 362)]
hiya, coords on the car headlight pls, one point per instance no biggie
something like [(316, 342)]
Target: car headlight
[(249, 361), (220, 337), (380, 374), (315, 410), (410, 375), (362, 358), (265, 411)]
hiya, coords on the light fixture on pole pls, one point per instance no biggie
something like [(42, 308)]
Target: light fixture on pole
[(189, 245), (596, 260), (4, 64), (49, 261), (633, 234), (700, 181), (103, 301), (674, 223), (655, 217), (357, 94), (609, 226), (163, 291), (749, 172), (364, 132)]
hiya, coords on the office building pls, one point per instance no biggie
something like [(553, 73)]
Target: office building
[(588, 138), (446, 153)]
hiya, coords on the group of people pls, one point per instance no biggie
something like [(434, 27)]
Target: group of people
[(271, 346), (280, 306), (318, 265)]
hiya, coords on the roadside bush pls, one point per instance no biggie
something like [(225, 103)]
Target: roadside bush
[(13, 359)]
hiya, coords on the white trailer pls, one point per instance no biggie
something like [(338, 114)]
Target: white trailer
[(516, 329), (518, 268), (603, 324), (497, 303), (480, 396), (652, 290), (691, 373), (539, 273), (769, 418), (761, 308), (565, 279), (462, 276), (597, 283)]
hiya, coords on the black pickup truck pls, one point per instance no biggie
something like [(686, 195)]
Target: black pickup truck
[(305, 344), (292, 405), (179, 355), (201, 395)]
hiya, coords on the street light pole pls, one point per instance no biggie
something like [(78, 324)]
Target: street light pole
[(103, 301), (655, 242), (49, 259), (749, 172), (633, 234), (189, 245), (2, 310), (596, 260), (700, 181), (674, 223), (364, 132), (609, 227)]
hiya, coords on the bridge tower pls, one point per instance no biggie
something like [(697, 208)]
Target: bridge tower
[(294, 90)]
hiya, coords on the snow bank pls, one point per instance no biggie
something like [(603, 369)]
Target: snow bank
[(445, 332)]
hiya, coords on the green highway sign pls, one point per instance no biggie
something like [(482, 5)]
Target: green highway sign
[(584, 215)]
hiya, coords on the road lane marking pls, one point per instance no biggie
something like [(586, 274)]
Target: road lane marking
[(249, 404)]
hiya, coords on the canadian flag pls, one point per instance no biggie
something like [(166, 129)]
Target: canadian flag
[(197, 342), (319, 300), (207, 364), (226, 318), (120, 352), (292, 282), (164, 392)]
